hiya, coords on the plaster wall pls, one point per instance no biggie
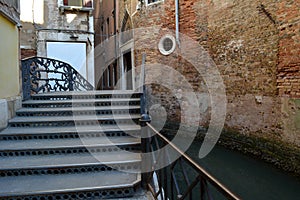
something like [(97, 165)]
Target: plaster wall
[(9, 59)]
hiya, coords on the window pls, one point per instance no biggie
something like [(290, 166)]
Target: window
[(79, 3), (152, 1), (167, 45), (107, 28)]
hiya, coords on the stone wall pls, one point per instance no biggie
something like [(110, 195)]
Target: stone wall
[(10, 9), (255, 46)]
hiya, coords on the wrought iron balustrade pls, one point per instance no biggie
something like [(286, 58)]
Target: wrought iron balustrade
[(181, 179), (40, 75)]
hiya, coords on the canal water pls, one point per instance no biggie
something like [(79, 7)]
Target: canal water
[(249, 178)]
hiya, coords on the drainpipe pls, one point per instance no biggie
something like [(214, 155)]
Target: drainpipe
[(115, 28), (177, 21)]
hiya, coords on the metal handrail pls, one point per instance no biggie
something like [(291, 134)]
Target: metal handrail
[(203, 177), (161, 181), (40, 75)]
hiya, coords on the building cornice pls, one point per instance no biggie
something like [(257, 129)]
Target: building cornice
[(10, 12)]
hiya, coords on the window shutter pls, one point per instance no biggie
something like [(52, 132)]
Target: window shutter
[(88, 3), (66, 2), (79, 3)]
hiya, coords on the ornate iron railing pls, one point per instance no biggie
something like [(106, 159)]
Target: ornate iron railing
[(181, 179), (41, 75)]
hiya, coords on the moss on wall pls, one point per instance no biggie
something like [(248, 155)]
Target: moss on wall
[(275, 151), (270, 149)]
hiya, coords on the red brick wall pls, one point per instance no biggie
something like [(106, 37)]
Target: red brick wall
[(254, 44), (289, 48), (25, 53)]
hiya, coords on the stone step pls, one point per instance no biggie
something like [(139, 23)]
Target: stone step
[(80, 120), (72, 163), (67, 143), (100, 185), (78, 109), (72, 145), (65, 111), (81, 102), (68, 146), (33, 133), (140, 194), (86, 95)]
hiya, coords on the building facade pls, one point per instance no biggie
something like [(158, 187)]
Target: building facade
[(114, 52), (60, 29), (253, 43), (10, 87)]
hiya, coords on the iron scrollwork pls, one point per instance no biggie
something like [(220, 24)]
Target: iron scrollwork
[(42, 75)]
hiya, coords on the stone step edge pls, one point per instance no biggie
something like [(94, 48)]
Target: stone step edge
[(50, 130), (93, 92), (79, 109), (33, 119), (64, 101), (72, 165), (132, 185), (73, 147)]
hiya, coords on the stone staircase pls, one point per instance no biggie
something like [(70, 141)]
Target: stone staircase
[(72, 145)]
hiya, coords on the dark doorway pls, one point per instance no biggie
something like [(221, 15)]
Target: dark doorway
[(109, 77), (128, 70)]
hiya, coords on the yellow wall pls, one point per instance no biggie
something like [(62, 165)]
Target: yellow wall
[(9, 59)]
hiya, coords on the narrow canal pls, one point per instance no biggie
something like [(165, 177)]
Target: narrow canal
[(249, 178)]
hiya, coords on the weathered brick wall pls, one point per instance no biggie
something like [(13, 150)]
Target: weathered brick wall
[(172, 95), (255, 45), (243, 42), (28, 39), (289, 48), (25, 53), (70, 20)]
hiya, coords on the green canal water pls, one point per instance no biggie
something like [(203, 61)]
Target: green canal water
[(249, 178)]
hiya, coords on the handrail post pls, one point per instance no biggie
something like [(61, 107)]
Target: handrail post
[(145, 118), (70, 78), (143, 77), (26, 79), (145, 147), (203, 177)]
